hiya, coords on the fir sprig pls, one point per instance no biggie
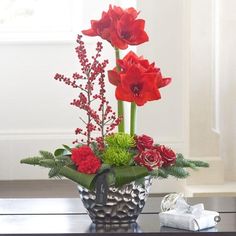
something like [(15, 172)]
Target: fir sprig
[(178, 170), (48, 160)]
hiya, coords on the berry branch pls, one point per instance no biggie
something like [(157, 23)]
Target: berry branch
[(102, 119)]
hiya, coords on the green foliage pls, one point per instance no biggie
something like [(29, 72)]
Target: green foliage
[(104, 167), (178, 170), (46, 154), (181, 162), (67, 147), (48, 160), (199, 163), (117, 161), (61, 152), (82, 179), (96, 150), (117, 156), (161, 173), (126, 174), (31, 161), (60, 166), (121, 140)]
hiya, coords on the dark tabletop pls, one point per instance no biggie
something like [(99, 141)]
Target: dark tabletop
[(55, 216)]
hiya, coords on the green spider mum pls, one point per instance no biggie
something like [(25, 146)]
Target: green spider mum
[(117, 156), (120, 140)]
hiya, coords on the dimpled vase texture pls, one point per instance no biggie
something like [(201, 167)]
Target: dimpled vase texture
[(123, 204)]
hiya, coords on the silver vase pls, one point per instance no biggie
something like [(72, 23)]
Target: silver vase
[(123, 204)]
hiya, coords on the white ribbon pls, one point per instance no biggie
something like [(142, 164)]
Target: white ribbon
[(181, 206), (184, 216)]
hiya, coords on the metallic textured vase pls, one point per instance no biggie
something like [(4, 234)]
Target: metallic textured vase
[(123, 204)]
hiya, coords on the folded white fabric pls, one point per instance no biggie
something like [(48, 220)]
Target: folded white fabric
[(187, 217)]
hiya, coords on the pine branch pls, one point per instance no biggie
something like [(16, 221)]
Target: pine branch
[(48, 163), (64, 159), (31, 160), (199, 163), (181, 162), (177, 172), (46, 155), (162, 173)]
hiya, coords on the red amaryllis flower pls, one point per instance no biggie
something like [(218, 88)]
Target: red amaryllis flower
[(89, 166), (137, 87), (138, 81), (120, 27), (144, 142), (149, 158), (143, 64), (168, 156)]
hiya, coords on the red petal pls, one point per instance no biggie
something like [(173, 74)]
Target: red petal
[(113, 77), (132, 11), (117, 42), (165, 82), (139, 24), (139, 101), (123, 95), (89, 32)]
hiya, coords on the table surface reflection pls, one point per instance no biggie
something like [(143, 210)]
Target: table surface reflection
[(65, 216)]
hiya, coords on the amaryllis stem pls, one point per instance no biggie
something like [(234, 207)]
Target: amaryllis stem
[(120, 108), (132, 119)]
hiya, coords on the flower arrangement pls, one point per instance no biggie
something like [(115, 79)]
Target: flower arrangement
[(99, 149)]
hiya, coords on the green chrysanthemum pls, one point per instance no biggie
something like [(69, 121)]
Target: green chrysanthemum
[(117, 156), (121, 140)]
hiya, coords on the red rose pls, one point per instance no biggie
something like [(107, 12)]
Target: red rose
[(138, 81), (119, 27), (149, 158), (144, 142), (80, 154), (168, 156), (90, 166)]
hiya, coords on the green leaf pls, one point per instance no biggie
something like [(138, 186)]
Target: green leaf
[(61, 152), (110, 179), (67, 148), (140, 181), (104, 167), (82, 179), (127, 174)]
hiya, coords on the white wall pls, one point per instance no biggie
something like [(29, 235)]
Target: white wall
[(227, 79)]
